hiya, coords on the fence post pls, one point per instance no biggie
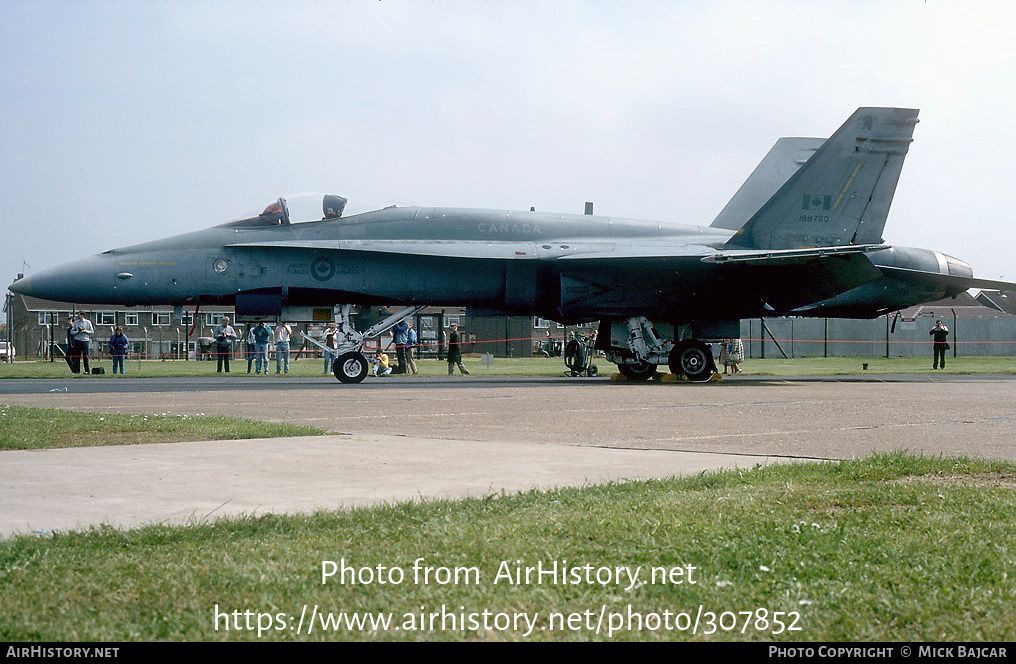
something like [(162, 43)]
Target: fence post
[(956, 335), (887, 336)]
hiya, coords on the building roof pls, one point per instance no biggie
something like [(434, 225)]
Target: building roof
[(963, 305), (1001, 300)]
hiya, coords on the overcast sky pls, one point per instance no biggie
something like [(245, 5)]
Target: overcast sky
[(122, 122)]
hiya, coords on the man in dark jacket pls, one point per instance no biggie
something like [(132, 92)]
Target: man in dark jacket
[(118, 348), (455, 350), (940, 332), (73, 360), (401, 339)]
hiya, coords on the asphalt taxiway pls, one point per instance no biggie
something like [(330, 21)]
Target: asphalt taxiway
[(408, 438)]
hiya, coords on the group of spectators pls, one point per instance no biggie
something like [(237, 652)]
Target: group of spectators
[(258, 338), (261, 335), (79, 342)]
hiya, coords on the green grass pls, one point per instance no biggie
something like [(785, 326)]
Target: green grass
[(537, 366), (890, 548), (834, 366), (24, 428)]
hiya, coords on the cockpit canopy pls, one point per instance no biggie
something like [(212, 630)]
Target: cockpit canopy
[(294, 209)]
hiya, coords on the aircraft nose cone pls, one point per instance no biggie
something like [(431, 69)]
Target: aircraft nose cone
[(22, 286), (85, 281)]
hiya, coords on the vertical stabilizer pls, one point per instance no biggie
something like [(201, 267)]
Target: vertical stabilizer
[(782, 161), (842, 194)]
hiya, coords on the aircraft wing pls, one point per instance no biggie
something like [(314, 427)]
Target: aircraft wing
[(783, 278), (448, 249), (573, 251)]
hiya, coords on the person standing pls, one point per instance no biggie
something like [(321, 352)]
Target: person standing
[(400, 337), (411, 342), (118, 348), (455, 350), (82, 331), (224, 336), (283, 334), (262, 336), (731, 355), (939, 345), (249, 339), (331, 345), (73, 361)]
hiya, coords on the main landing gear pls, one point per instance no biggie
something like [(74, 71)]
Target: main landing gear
[(693, 358), (637, 371), (638, 349)]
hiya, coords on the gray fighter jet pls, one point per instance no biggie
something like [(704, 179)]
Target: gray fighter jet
[(802, 237)]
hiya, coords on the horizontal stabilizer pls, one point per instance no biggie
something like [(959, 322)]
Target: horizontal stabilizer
[(946, 280), (796, 284), (756, 257)]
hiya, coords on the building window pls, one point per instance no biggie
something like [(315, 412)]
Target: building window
[(541, 323), (453, 319), (426, 328), (213, 319), (131, 318), (160, 318), (105, 318), (188, 319), (54, 317)]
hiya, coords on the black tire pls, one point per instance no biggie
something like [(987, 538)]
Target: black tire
[(351, 367), (640, 371), (575, 356), (693, 358)]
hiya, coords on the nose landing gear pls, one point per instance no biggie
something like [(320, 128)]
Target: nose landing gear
[(350, 367)]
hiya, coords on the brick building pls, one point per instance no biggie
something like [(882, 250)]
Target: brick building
[(154, 332)]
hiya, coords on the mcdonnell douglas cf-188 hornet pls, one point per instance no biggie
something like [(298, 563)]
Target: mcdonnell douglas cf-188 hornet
[(802, 237)]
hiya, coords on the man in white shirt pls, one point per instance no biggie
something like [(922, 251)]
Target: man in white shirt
[(224, 336), (283, 334), (82, 332)]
